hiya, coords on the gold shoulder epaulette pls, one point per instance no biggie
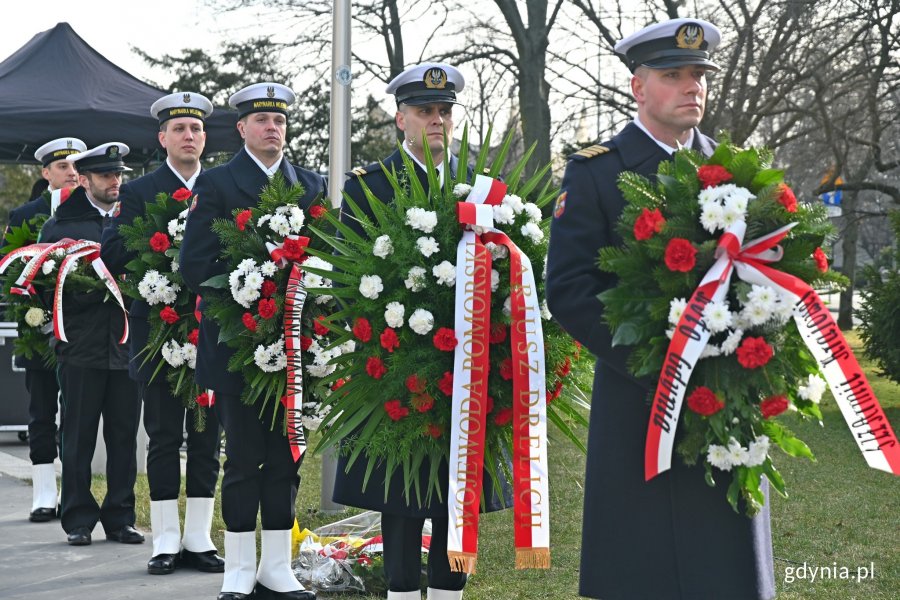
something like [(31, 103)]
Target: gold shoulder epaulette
[(592, 151), (358, 171)]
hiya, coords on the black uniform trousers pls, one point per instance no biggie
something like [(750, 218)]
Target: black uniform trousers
[(403, 554), (165, 423), (43, 402), (86, 395), (260, 473)]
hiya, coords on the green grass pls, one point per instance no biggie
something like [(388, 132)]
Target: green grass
[(840, 513)]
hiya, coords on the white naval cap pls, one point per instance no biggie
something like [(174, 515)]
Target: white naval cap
[(262, 97), (59, 149), (102, 159), (671, 43), (427, 83), (181, 104)]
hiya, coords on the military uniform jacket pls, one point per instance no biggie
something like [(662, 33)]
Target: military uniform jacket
[(17, 216), (348, 486), (234, 185), (673, 537), (133, 199), (92, 325)]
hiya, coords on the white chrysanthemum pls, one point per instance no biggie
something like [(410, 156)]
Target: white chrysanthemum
[(427, 246), (445, 273), (732, 342), (175, 266), (48, 266), (737, 197), (709, 195), (383, 246), (710, 350), (415, 279), (280, 225), (498, 251), (730, 217), (171, 352), (156, 289), (262, 220), (421, 321), (514, 202), (421, 219), (296, 219), (189, 352), (350, 345), (533, 212), (311, 423), (533, 232), (814, 389), (545, 311), (247, 265), (758, 451), (271, 358), (755, 314), (504, 214), (462, 190), (176, 228), (736, 203), (253, 280), (764, 296), (268, 268), (393, 314), (712, 217), (495, 279), (717, 317), (370, 286), (35, 317), (719, 457), (507, 306), (677, 307), (246, 297), (737, 453)]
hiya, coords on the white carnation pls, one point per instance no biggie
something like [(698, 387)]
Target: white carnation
[(415, 279), (507, 306), (498, 251), (421, 321), (514, 202), (427, 246), (370, 286), (495, 279), (533, 232), (545, 311), (504, 214), (48, 266), (383, 247), (445, 273), (421, 219), (814, 389), (533, 213), (393, 314), (462, 190)]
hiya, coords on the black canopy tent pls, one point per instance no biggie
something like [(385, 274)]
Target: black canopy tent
[(56, 85)]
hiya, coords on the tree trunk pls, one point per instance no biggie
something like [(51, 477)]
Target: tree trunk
[(848, 246), (534, 103)]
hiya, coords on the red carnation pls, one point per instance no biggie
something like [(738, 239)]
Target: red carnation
[(446, 383), (375, 367), (506, 369), (490, 406), (754, 352), (338, 384), (704, 401), (423, 402), (498, 333), (268, 288), (319, 325), (242, 218), (434, 430), (305, 343), (293, 249), (362, 329), (555, 392), (415, 384), (206, 400), (317, 211), (394, 410), (194, 336), (389, 339), (565, 368), (787, 198), (504, 416), (181, 194), (159, 242), (266, 308), (168, 315), (649, 223), (680, 255), (445, 339), (710, 175), (248, 321), (821, 260), (773, 406)]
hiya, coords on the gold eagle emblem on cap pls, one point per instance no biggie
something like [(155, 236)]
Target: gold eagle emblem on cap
[(186, 98), (689, 36), (270, 91), (69, 144), (435, 79), (113, 151)]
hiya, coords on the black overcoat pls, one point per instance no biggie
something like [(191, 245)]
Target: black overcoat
[(673, 537), (133, 199), (217, 193), (348, 486)]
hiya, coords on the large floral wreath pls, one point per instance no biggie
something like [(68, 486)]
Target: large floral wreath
[(743, 353), (429, 313)]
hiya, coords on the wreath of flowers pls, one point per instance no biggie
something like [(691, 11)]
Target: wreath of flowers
[(755, 365), (154, 277), (260, 245), (398, 297)]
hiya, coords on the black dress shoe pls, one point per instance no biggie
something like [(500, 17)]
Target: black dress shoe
[(39, 515), (80, 536), (263, 593), (233, 596), (161, 564), (207, 562), (126, 535)]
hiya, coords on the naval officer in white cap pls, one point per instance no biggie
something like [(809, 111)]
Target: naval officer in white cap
[(181, 119), (673, 537), (260, 473)]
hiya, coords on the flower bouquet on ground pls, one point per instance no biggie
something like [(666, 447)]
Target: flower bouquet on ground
[(282, 347), (154, 278), (35, 276), (457, 359), (742, 349)]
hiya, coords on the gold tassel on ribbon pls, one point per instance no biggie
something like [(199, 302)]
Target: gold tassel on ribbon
[(462, 562), (532, 558)]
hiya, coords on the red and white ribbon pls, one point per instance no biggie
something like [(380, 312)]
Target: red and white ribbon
[(846, 379), (278, 254), (295, 297)]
